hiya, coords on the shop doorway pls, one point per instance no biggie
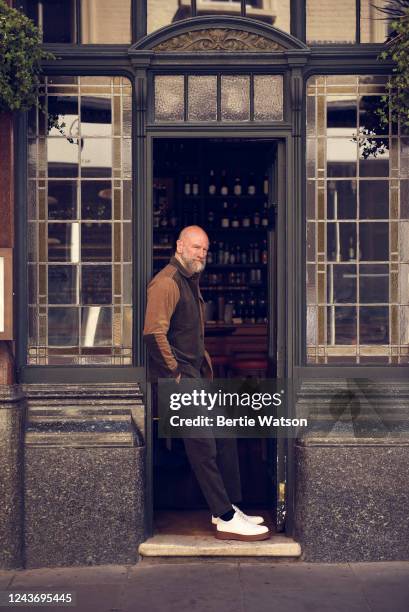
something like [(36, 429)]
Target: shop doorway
[(228, 186)]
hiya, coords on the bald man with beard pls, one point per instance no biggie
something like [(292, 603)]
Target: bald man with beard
[(174, 336)]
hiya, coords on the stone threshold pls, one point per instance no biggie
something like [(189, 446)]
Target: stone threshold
[(176, 545)]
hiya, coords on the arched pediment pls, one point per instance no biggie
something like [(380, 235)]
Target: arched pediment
[(224, 34)]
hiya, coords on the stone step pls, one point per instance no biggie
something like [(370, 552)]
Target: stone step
[(176, 545)]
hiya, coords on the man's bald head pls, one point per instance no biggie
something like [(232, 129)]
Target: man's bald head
[(192, 247)]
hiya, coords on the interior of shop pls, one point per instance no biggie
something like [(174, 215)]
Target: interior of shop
[(227, 187)]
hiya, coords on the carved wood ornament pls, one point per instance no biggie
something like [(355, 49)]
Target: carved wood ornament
[(219, 40)]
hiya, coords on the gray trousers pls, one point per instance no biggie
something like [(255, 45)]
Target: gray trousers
[(215, 463)]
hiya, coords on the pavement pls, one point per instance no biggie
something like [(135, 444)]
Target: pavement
[(213, 586)]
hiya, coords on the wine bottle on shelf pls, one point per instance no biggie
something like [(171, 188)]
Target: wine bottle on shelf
[(243, 259), (251, 253), (251, 187), (264, 252), (237, 190), (224, 188), (226, 254), (264, 218), (232, 257), (187, 189), (225, 221), (195, 187), (210, 218), (235, 221), (256, 253), (246, 221), (256, 219), (212, 183), (265, 185), (220, 253)]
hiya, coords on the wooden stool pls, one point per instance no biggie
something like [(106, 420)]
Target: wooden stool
[(220, 365), (244, 368)]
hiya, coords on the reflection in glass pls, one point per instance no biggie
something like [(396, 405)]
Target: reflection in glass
[(374, 324), (235, 98), (341, 324), (374, 284), (62, 285), (341, 115), (62, 158), (96, 284), (341, 242), (59, 225), (96, 200), (373, 199), (202, 88), (169, 98), (96, 157), (374, 23), (268, 98), (341, 199), (96, 116), (63, 328), (56, 19), (331, 21), (341, 283), (96, 242), (62, 200), (106, 22), (65, 109), (96, 326), (63, 242), (374, 241), (375, 164)]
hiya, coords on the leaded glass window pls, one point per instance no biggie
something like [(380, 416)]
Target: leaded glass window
[(79, 223), (242, 98), (357, 225)]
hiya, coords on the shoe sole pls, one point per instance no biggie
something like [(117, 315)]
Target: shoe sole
[(226, 535), (215, 524)]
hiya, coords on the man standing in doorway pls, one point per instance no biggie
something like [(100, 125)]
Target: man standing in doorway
[(174, 335)]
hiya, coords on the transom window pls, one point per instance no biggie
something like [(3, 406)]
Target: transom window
[(226, 98), (357, 225), (79, 223)]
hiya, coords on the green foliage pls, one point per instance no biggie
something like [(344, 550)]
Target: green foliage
[(397, 50), (20, 60)]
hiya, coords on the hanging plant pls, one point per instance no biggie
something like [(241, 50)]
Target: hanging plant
[(397, 50), (21, 54)]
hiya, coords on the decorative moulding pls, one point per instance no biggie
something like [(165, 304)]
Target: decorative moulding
[(218, 39)]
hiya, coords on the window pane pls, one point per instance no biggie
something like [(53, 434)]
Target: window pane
[(63, 328), (56, 18), (374, 284), (374, 23), (169, 98), (62, 285), (62, 200), (374, 324), (268, 98), (235, 99), (202, 88), (331, 21), (106, 21)]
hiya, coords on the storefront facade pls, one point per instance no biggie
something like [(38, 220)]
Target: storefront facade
[(288, 93)]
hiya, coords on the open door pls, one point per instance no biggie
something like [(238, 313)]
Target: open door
[(277, 448)]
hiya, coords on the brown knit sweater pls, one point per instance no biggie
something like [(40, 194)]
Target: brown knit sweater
[(174, 325)]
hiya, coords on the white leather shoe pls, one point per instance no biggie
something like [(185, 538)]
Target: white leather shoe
[(239, 528), (256, 520)]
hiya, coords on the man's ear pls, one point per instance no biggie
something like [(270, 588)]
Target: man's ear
[(179, 245)]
